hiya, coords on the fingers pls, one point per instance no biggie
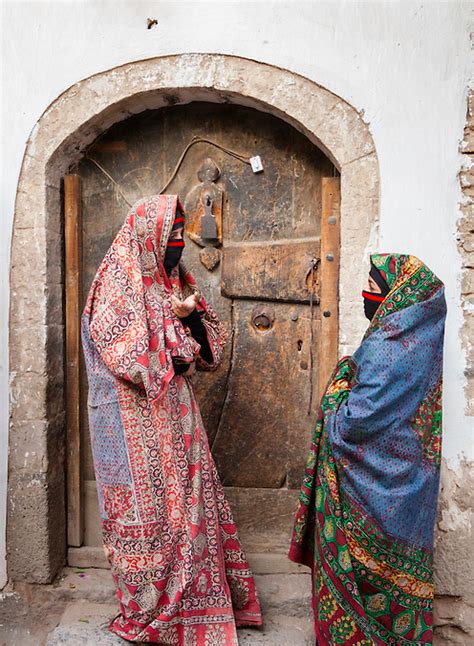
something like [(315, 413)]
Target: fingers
[(195, 296), (191, 370), (178, 306), (183, 308)]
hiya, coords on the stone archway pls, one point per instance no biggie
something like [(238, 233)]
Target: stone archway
[(36, 518)]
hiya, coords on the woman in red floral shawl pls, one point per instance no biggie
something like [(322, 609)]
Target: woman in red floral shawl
[(182, 577)]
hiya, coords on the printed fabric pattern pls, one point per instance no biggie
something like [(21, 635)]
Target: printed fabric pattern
[(367, 505), (181, 575)]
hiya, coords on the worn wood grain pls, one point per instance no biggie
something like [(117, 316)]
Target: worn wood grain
[(73, 251), (330, 255), (269, 270), (264, 430)]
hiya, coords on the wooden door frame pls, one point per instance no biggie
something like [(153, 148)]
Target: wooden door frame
[(73, 120), (329, 278), (328, 339), (73, 281)]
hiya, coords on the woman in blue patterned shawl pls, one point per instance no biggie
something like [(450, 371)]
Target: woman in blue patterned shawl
[(367, 505)]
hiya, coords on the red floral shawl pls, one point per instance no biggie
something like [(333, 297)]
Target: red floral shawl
[(131, 319)]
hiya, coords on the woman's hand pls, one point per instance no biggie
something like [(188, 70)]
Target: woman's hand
[(183, 308), (191, 370)]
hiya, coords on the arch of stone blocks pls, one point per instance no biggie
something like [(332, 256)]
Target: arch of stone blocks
[(36, 532)]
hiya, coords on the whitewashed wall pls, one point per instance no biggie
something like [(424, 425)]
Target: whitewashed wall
[(406, 65)]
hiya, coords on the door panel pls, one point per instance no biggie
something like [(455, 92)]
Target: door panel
[(264, 411), (274, 271), (255, 407)]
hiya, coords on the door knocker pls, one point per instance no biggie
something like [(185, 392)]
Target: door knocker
[(263, 318)]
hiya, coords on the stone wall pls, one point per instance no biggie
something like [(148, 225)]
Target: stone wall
[(466, 249), (454, 566)]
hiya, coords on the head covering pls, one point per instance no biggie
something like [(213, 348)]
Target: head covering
[(389, 266), (372, 300), (376, 275), (174, 248), (368, 500), (128, 313)]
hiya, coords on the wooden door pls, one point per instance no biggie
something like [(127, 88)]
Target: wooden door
[(259, 408)]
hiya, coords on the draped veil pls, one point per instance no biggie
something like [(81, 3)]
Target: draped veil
[(367, 504), (182, 577)]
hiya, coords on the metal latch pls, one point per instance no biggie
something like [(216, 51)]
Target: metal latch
[(208, 221)]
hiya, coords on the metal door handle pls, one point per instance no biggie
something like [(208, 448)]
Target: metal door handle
[(208, 221)]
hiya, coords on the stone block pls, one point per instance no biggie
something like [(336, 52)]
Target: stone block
[(288, 594), (24, 622), (84, 622), (27, 447), (28, 349), (54, 258), (467, 283), (74, 584), (32, 555), (359, 215), (280, 630), (63, 117), (466, 179), (36, 495), (35, 306), (454, 621), (28, 391), (87, 556), (454, 568), (35, 208), (338, 126), (28, 256), (467, 144), (285, 599), (465, 238)]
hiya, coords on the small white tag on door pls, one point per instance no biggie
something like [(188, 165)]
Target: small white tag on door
[(256, 164)]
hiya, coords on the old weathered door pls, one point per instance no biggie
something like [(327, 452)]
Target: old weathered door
[(257, 407)]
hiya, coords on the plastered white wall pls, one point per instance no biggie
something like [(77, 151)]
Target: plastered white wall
[(405, 64)]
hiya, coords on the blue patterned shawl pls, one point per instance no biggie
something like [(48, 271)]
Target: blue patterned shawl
[(368, 500)]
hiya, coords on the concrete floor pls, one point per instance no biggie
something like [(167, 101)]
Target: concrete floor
[(76, 609)]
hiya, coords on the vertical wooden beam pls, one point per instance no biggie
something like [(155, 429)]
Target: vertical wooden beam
[(329, 290), (73, 256)]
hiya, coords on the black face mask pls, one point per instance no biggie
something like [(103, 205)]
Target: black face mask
[(172, 258), (174, 248), (370, 306), (372, 300)]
